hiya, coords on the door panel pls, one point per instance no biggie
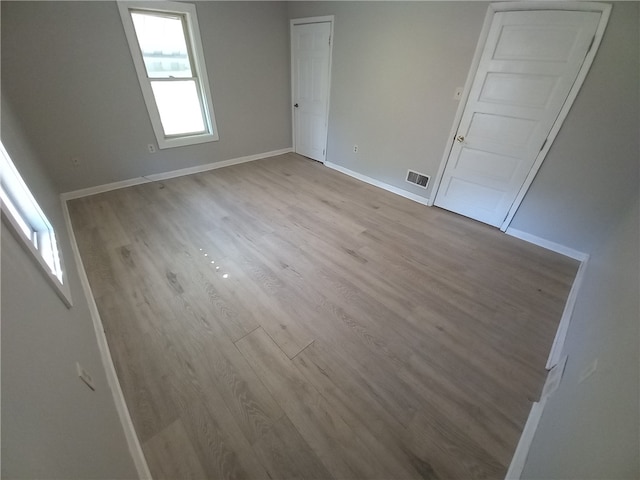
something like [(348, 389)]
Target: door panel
[(499, 168), (503, 131), (518, 90), (526, 70), (311, 56), (536, 42)]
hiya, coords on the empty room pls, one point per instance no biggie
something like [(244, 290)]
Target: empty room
[(326, 239)]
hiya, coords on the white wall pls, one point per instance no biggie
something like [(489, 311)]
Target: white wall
[(53, 426), (395, 68), (68, 70), (590, 430)]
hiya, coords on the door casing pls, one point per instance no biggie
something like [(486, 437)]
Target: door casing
[(303, 21), (603, 8)]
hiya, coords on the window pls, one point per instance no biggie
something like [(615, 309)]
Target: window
[(22, 214), (165, 45)]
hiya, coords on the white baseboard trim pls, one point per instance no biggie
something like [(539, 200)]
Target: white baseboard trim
[(135, 449), (563, 327), (84, 192), (378, 183), (548, 244), (555, 358), (524, 444)]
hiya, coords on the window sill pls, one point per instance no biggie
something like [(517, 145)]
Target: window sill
[(184, 141)]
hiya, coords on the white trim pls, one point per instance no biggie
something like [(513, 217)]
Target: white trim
[(604, 9), (320, 19), (563, 327), (551, 5), (196, 51), (304, 21), (378, 183), (548, 244), (84, 192), (554, 378), (133, 442), (524, 444), (520, 456)]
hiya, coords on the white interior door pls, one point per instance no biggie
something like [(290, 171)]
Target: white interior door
[(311, 54), (528, 66)]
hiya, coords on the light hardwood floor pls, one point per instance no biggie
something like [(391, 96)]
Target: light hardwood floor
[(278, 319)]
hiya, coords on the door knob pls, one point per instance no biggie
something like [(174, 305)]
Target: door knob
[(296, 105), (460, 138)]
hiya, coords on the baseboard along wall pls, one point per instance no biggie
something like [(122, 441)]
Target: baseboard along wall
[(84, 192), (378, 183), (548, 244), (135, 449), (555, 358), (526, 439)]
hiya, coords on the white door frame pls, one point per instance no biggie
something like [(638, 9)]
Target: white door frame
[(603, 8), (304, 21)]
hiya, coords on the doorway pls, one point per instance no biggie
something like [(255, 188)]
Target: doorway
[(311, 48)]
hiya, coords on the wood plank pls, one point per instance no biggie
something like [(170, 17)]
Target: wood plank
[(452, 453), (219, 366), (285, 454), (323, 427), (138, 364), (170, 455), (347, 392)]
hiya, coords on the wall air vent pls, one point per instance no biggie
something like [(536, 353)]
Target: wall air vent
[(418, 178)]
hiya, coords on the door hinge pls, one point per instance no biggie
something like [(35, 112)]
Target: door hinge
[(591, 45), (329, 39), (323, 152), (543, 144)]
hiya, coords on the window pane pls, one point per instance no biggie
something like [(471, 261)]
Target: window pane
[(179, 106), (24, 226), (163, 46), (48, 249)]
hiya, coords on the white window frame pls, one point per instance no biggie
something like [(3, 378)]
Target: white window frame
[(188, 11), (29, 225)]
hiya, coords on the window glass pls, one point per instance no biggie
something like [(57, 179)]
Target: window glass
[(179, 107), (19, 217), (163, 45)]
